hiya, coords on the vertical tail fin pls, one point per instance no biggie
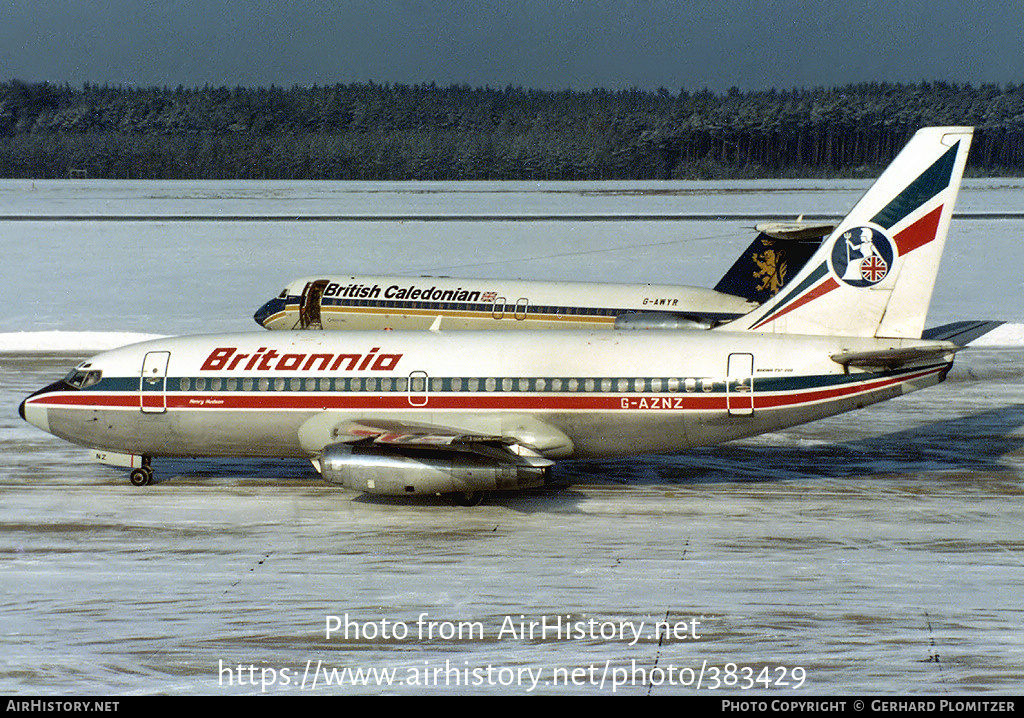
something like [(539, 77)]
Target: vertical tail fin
[(874, 275), (767, 265)]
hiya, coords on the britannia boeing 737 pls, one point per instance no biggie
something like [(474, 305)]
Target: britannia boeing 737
[(465, 412)]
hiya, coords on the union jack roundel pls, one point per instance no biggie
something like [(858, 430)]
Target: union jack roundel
[(862, 256)]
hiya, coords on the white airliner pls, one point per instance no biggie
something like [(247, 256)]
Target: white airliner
[(460, 413), (390, 302)]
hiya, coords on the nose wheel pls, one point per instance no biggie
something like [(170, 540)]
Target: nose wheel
[(142, 476)]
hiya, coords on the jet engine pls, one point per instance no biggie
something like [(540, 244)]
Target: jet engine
[(658, 320), (410, 472)]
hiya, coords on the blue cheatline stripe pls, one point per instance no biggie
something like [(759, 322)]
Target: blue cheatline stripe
[(548, 385), (932, 181)]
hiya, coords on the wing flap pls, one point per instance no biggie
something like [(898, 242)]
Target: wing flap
[(503, 447)]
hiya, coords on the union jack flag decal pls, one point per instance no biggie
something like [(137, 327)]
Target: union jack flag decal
[(873, 269)]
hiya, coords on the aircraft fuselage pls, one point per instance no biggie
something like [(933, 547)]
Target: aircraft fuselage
[(567, 394), (407, 303)]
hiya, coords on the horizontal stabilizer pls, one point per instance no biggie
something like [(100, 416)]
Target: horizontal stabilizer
[(960, 333), (799, 231), (893, 358)]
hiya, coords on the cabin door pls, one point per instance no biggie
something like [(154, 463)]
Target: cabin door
[(309, 310), (522, 306), (153, 383), (739, 385)]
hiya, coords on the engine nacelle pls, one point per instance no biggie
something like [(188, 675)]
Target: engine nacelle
[(417, 473), (658, 320)]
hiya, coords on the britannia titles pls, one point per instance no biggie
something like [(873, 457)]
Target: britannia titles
[(263, 359)]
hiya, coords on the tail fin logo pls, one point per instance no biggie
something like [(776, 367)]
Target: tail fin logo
[(862, 256)]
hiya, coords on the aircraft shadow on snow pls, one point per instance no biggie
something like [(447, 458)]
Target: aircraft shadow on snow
[(975, 443)]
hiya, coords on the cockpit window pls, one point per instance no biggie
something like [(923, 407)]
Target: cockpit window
[(83, 379)]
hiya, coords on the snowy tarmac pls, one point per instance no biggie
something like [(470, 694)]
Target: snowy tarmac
[(875, 552)]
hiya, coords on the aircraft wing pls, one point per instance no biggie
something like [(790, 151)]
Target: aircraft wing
[(403, 457), (438, 438), (516, 439)]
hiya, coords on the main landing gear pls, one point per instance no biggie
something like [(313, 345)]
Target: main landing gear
[(469, 498), (142, 476)]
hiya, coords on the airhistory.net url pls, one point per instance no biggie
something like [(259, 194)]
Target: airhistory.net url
[(603, 677)]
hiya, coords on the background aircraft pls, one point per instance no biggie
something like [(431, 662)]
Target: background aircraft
[(383, 302)]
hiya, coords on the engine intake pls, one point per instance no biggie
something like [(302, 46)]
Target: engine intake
[(411, 473)]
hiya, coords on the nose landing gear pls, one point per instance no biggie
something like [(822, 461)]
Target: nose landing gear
[(142, 476)]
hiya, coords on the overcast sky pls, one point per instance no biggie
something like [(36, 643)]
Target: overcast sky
[(544, 44)]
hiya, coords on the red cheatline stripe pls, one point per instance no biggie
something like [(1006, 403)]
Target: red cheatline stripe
[(822, 289), (631, 402)]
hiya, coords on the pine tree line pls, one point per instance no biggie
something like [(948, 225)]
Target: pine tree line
[(427, 132)]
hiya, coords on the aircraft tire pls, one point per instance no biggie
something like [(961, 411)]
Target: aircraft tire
[(141, 477)]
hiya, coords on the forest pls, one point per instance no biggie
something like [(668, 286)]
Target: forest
[(369, 131)]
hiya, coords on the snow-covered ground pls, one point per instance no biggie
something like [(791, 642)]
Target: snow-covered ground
[(876, 552)]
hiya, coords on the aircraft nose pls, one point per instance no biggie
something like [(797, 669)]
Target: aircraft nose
[(36, 414), (264, 313)]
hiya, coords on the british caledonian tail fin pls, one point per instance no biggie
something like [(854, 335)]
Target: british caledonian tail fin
[(874, 275)]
